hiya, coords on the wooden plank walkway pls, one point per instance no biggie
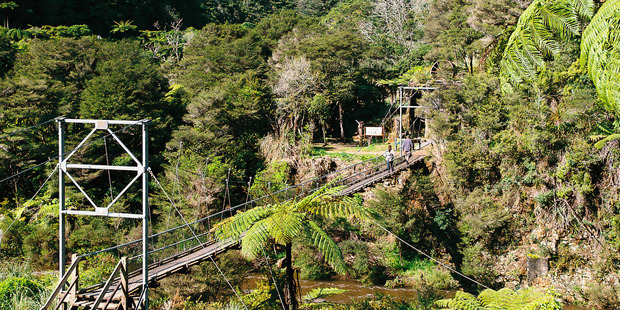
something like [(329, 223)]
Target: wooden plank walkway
[(163, 269), (380, 176)]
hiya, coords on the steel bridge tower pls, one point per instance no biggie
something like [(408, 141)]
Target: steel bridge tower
[(141, 170)]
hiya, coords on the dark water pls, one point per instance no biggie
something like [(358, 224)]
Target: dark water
[(355, 290)]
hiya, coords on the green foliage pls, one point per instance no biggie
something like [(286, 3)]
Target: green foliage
[(41, 245), (310, 263), (271, 179), (97, 269), (17, 287), (528, 298), (380, 301), (321, 292), (262, 297), (453, 39), (540, 28), (600, 54), (368, 266), (123, 27)]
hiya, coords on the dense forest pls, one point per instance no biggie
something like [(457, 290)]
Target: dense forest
[(522, 166)]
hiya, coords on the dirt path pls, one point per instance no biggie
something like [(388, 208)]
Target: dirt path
[(354, 149)]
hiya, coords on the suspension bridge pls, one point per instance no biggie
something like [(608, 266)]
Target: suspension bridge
[(117, 291), (156, 256)]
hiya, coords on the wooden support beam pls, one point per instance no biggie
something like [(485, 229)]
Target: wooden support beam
[(74, 278)]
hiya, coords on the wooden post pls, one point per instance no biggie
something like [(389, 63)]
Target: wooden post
[(75, 276), (125, 300)]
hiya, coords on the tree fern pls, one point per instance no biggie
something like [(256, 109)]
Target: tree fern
[(234, 227), (504, 299), (461, 301), (600, 53), (537, 36), (283, 221)]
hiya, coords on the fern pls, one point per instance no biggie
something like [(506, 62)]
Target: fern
[(536, 37), (504, 299), (600, 51), (234, 227), (284, 221), (322, 293), (327, 247)]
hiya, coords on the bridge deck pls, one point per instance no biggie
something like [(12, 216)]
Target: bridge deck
[(159, 271), (379, 176)]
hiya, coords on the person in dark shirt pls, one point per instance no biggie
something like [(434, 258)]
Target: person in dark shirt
[(407, 147)]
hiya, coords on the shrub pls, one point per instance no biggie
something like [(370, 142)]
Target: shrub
[(311, 263), (366, 265), (13, 289)]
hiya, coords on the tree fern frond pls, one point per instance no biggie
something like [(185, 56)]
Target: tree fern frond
[(599, 145), (284, 226), (443, 303), (536, 36), (233, 227), (327, 247), (502, 299), (333, 207), (584, 9), (325, 191), (560, 17), (255, 239), (600, 54), (321, 292)]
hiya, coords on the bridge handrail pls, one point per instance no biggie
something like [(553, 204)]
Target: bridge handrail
[(344, 181), (61, 283), (237, 206)]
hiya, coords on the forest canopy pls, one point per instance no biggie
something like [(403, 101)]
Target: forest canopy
[(520, 108)]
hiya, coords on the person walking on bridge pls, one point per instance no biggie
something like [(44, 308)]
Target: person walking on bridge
[(389, 158), (407, 147)]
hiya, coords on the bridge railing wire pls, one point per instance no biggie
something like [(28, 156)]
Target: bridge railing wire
[(180, 239)]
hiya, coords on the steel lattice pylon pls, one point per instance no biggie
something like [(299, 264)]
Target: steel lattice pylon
[(141, 169)]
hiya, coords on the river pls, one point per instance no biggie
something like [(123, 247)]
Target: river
[(355, 290)]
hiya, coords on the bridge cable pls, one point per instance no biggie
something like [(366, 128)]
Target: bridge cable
[(23, 210), (247, 197), (226, 194), (273, 278), (56, 157), (27, 128), (107, 161), (197, 239), (430, 257)]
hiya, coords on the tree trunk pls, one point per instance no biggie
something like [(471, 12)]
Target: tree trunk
[(291, 288), (324, 134), (341, 125)]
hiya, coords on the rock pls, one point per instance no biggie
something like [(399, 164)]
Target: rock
[(536, 267)]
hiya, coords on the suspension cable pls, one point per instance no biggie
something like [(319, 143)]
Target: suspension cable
[(273, 278), (430, 257), (27, 128), (33, 196), (56, 157), (196, 237)]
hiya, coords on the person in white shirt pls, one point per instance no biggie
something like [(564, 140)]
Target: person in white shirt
[(389, 158)]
